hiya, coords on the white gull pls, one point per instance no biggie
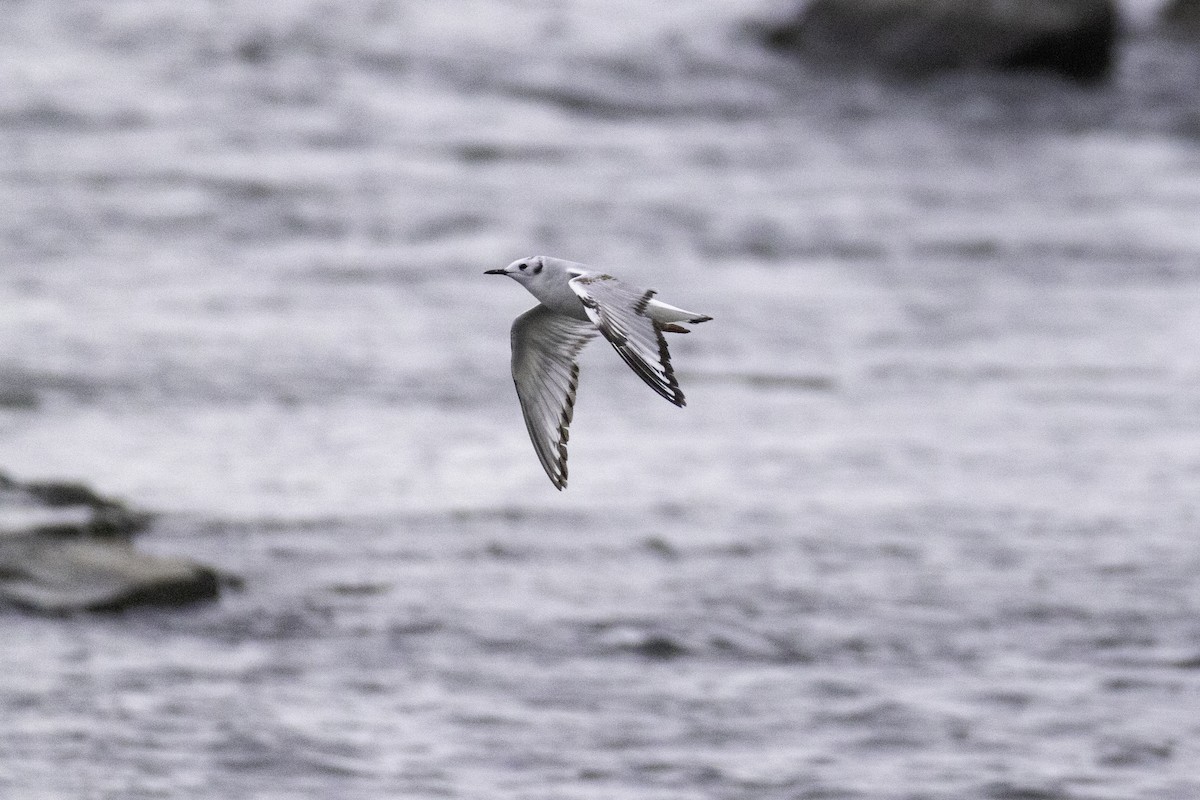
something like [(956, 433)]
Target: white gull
[(575, 303)]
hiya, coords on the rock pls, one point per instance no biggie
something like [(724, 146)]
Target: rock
[(64, 548), (55, 575), (1182, 17), (57, 494), (64, 508), (914, 38)]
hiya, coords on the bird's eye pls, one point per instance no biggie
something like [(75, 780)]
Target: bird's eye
[(522, 266)]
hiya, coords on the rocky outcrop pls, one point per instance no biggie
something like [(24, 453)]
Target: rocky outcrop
[(914, 38), (64, 548)]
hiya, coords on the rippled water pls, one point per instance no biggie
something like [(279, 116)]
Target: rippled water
[(926, 529)]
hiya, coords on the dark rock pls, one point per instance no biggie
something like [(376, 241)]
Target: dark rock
[(65, 508), (64, 548), (914, 38), (57, 494), (55, 575), (1182, 17)]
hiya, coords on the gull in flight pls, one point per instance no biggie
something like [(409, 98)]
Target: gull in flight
[(576, 303)]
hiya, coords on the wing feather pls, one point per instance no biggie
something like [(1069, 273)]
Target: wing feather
[(545, 346), (619, 312)]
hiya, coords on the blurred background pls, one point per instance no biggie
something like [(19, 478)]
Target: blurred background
[(926, 529)]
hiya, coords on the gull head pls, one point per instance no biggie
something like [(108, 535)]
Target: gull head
[(523, 270)]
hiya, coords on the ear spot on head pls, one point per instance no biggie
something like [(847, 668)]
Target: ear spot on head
[(537, 269)]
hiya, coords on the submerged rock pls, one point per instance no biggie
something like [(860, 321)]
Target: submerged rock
[(64, 548), (1075, 38)]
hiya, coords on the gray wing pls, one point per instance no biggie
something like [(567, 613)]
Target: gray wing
[(619, 312), (544, 348)]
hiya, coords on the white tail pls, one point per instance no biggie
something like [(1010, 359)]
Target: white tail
[(665, 314)]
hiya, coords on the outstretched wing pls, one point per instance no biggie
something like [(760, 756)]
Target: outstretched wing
[(544, 348), (619, 312)]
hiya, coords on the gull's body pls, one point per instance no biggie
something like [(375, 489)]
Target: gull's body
[(576, 303)]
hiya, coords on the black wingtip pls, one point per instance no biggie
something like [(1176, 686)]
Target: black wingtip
[(639, 307)]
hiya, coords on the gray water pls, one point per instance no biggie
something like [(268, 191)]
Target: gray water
[(926, 529)]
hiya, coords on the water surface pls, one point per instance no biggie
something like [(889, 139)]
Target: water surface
[(926, 528)]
